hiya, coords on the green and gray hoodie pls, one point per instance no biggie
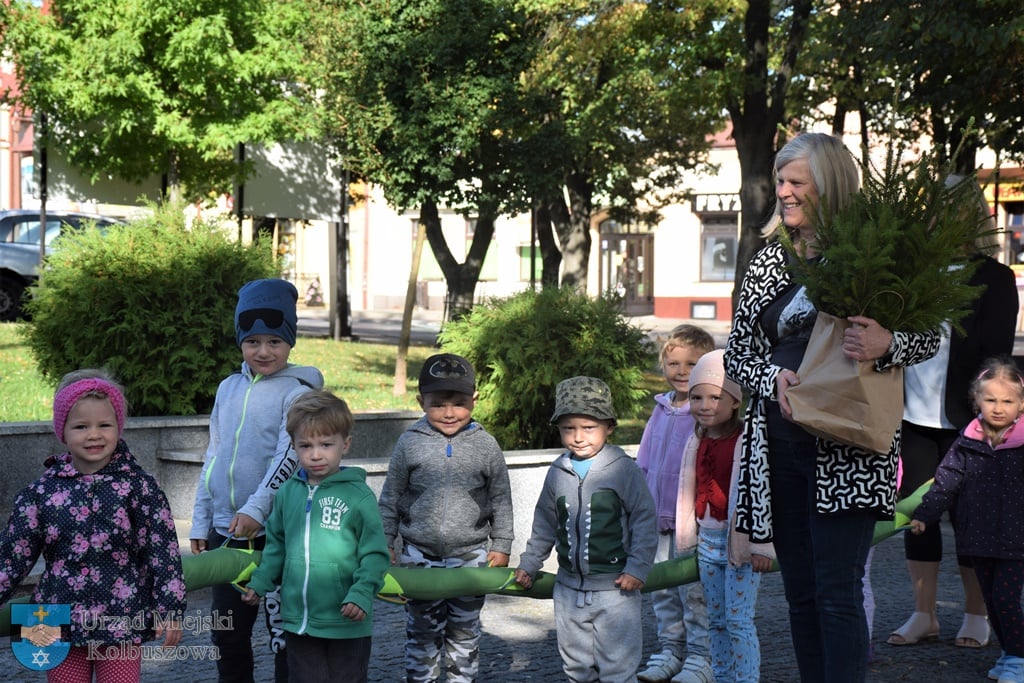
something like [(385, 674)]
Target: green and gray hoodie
[(325, 547), (600, 526)]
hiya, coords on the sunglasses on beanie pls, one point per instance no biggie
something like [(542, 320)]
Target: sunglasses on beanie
[(271, 317)]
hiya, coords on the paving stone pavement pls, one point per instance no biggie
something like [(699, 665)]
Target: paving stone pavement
[(519, 638)]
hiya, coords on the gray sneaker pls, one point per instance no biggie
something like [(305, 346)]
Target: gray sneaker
[(696, 669), (661, 667)]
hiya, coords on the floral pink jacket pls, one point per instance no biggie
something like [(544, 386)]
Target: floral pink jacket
[(109, 544)]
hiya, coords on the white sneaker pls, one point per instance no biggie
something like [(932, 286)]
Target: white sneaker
[(661, 667), (695, 670)]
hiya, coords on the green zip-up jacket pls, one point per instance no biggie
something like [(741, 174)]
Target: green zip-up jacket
[(325, 547)]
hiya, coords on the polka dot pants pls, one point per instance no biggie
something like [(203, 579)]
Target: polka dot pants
[(78, 668), (1001, 583)]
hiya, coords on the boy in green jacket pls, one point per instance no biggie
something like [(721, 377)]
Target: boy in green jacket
[(325, 547)]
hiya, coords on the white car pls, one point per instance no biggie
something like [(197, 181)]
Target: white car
[(19, 249)]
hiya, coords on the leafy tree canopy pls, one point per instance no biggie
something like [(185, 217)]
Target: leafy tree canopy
[(501, 104), (942, 66), (138, 88)]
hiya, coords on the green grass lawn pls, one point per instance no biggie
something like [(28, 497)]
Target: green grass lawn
[(361, 373)]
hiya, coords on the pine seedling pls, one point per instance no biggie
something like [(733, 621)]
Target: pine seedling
[(899, 251)]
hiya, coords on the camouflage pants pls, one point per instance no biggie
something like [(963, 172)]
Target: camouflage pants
[(449, 627)]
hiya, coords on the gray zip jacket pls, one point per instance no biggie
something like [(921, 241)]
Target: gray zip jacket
[(600, 526), (447, 496), (250, 454)]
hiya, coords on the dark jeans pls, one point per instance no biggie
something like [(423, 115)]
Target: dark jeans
[(822, 560), (328, 660), (235, 644)]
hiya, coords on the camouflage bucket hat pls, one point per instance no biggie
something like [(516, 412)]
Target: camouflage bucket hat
[(583, 396)]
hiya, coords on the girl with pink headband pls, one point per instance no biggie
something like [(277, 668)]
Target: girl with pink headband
[(105, 531)]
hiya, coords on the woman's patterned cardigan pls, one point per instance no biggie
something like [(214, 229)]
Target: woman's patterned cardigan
[(848, 478)]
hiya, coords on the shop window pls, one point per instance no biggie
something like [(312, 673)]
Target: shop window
[(524, 264), (719, 242), (1015, 231), (489, 269), (430, 269)]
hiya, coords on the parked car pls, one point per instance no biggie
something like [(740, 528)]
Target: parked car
[(19, 249)]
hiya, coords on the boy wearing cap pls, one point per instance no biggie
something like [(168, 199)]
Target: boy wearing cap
[(249, 455), (447, 495), (596, 511)]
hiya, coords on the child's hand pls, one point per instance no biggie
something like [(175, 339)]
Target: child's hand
[(352, 611), (917, 526), (394, 558), (198, 545), (251, 597), (626, 582), (171, 634), (523, 579), (244, 526), (761, 563), (496, 559)]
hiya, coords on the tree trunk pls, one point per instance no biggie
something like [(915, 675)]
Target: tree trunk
[(551, 257), (401, 372), (460, 278), (341, 321), (173, 179), (574, 237), (757, 117), (756, 152)]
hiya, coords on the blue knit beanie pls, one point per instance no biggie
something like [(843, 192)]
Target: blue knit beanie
[(266, 307)]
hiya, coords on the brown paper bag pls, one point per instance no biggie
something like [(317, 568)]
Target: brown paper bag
[(845, 400)]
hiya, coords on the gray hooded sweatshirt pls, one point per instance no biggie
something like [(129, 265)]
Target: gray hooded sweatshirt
[(250, 453), (448, 496)]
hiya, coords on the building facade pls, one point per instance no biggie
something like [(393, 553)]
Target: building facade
[(682, 267)]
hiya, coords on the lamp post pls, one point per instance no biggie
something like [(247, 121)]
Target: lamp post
[(41, 138)]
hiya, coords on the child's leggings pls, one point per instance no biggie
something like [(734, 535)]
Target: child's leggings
[(79, 668), (731, 594), (1001, 584)]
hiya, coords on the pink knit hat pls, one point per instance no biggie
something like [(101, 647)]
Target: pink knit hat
[(710, 369), (67, 397)]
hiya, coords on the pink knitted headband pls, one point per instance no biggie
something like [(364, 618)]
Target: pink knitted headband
[(67, 397)]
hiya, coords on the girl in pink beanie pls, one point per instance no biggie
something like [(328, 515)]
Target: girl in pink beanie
[(104, 528), (730, 565)]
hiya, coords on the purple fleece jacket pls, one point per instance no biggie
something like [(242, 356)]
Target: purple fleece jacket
[(661, 453)]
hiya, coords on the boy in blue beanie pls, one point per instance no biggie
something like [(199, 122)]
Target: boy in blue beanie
[(250, 456)]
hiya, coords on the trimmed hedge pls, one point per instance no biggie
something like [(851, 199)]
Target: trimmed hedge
[(522, 346), (151, 301)]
